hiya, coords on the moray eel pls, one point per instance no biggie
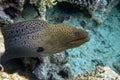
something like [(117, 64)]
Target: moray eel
[(35, 38)]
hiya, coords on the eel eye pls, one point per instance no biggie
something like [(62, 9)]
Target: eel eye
[(40, 49), (77, 34)]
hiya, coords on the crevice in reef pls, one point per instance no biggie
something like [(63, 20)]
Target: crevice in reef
[(69, 8)]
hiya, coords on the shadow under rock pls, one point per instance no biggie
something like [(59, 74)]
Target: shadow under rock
[(23, 69)]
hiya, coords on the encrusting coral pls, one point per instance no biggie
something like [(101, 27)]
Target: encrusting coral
[(50, 3), (14, 8), (100, 73), (41, 6), (95, 7), (14, 76)]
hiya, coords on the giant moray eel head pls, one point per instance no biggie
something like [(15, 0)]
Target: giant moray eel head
[(64, 37)]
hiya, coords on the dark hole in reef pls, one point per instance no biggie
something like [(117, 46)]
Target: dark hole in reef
[(63, 74), (40, 49), (51, 77), (11, 1), (11, 31), (18, 65), (22, 30), (12, 12), (118, 6), (72, 8), (98, 62), (16, 31), (83, 23)]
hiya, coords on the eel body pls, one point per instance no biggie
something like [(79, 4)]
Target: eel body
[(34, 38)]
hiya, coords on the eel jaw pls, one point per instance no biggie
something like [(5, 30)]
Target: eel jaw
[(80, 40)]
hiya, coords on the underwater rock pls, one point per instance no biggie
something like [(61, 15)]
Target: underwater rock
[(17, 69), (87, 3), (29, 12), (50, 3), (65, 71), (2, 46), (34, 2), (50, 70), (14, 76), (98, 9), (41, 6), (47, 3), (4, 19), (116, 65), (101, 73), (118, 6), (55, 77), (112, 3), (45, 70), (97, 62), (59, 59), (13, 8), (41, 72), (86, 53)]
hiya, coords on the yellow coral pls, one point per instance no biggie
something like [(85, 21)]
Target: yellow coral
[(50, 3), (13, 76)]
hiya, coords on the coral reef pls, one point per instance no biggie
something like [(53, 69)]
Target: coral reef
[(78, 63), (97, 8), (50, 3), (14, 76), (18, 69), (116, 65), (103, 46), (112, 3), (54, 68), (29, 12), (101, 73), (90, 4), (59, 58), (41, 6), (13, 8), (2, 46), (46, 3), (4, 19)]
